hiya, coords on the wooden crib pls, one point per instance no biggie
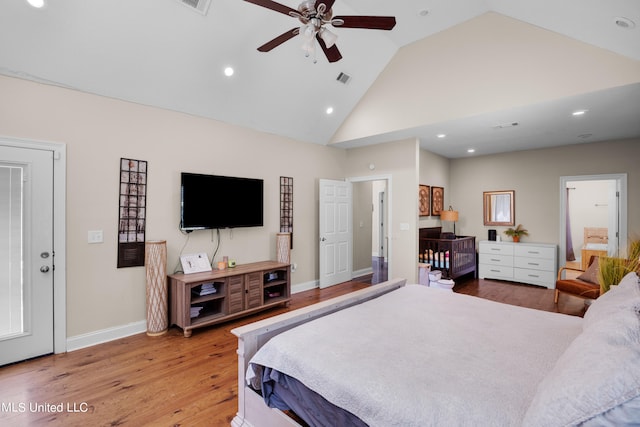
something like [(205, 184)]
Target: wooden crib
[(454, 257)]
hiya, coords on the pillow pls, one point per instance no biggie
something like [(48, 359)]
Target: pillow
[(591, 274), (598, 375), (617, 302)]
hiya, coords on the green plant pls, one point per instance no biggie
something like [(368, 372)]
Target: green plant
[(611, 270), (516, 232)]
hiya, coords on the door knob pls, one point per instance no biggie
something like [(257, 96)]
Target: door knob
[(44, 268)]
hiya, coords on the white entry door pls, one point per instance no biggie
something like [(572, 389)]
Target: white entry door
[(335, 232), (26, 253)]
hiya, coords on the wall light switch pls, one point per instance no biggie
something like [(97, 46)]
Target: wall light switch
[(95, 236), (404, 226)]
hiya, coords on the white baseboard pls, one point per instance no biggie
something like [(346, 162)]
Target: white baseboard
[(301, 287), (361, 273), (105, 335)]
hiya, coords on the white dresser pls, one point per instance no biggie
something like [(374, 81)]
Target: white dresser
[(533, 263)]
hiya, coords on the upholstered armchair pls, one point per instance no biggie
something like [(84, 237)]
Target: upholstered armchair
[(584, 286)]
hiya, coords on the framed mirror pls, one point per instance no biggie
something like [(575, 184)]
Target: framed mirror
[(499, 207)]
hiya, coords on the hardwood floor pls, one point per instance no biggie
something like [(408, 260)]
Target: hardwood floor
[(175, 381)]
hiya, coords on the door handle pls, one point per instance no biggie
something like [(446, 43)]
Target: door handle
[(322, 239), (44, 269)]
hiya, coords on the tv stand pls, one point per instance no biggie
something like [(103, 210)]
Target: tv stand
[(202, 299)]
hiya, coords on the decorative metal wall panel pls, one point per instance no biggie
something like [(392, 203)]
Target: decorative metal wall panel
[(286, 206), (132, 212)]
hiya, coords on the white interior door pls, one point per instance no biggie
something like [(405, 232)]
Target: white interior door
[(335, 232), (26, 253)]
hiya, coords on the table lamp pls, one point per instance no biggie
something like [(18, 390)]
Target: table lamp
[(450, 215)]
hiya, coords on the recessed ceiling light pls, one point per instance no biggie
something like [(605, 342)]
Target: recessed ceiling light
[(228, 71), (36, 3), (423, 12), (579, 112), (625, 23), (329, 110), (441, 135), (471, 150)]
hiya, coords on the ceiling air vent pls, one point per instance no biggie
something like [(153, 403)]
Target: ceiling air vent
[(201, 6), (343, 78), (505, 125)]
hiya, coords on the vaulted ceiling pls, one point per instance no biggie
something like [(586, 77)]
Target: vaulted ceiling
[(493, 75)]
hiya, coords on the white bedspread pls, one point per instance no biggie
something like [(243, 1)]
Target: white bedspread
[(420, 356)]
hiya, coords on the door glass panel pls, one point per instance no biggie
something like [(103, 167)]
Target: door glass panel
[(11, 251)]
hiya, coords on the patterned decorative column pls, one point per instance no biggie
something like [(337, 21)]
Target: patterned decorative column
[(157, 292), (283, 248)]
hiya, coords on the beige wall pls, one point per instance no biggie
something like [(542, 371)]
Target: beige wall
[(535, 177), (399, 160), (434, 171), (99, 131), (436, 79)]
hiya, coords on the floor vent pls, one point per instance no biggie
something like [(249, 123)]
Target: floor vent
[(343, 78), (200, 6)]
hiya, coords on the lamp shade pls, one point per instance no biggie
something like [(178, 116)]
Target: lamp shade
[(449, 215)]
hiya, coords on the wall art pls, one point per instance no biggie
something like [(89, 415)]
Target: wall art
[(132, 212), (437, 200), (286, 207), (424, 204)]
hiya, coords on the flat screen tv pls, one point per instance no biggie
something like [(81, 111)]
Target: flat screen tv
[(212, 201)]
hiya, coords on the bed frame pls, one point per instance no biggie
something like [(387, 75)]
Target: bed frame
[(461, 250), (252, 411)]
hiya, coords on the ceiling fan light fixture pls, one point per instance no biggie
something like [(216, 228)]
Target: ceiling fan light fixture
[(328, 37), (308, 32)]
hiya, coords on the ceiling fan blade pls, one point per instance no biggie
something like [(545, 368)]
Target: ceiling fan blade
[(368, 22), (273, 6), (279, 40), (328, 3), (332, 53)]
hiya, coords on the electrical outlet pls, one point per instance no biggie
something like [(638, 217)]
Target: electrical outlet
[(95, 236)]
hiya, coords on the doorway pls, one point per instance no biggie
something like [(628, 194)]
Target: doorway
[(371, 210), (591, 202), (32, 197)]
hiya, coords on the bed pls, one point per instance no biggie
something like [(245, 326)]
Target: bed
[(411, 355), (595, 243), (455, 257)]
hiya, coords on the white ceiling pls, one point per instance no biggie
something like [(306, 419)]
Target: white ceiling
[(162, 53)]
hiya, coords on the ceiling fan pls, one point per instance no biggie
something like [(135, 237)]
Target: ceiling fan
[(314, 14)]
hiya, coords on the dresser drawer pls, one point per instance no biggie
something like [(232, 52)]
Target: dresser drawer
[(535, 263), (544, 252), (495, 272), (493, 259), (495, 248), (535, 277)]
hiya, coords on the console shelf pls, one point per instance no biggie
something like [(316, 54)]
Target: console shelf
[(202, 299)]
